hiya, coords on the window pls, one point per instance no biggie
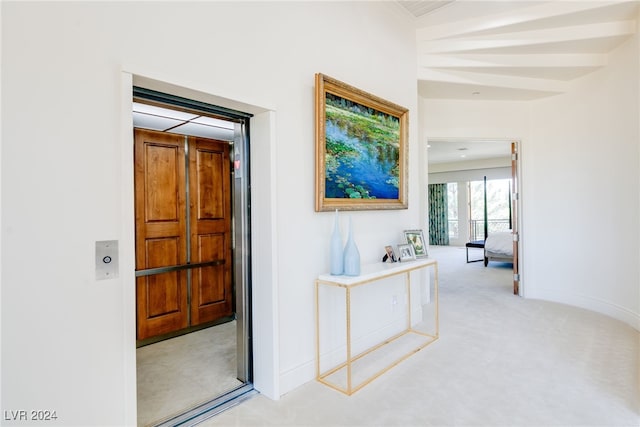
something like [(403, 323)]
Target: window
[(452, 207), (498, 207)]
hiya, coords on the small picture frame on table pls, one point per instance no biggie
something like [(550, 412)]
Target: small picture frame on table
[(406, 253), (416, 239), (389, 255)]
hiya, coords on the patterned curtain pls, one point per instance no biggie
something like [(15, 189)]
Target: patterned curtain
[(438, 216)]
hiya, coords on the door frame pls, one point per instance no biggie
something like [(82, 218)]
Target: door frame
[(515, 209), (515, 164), (240, 233), (263, 264)]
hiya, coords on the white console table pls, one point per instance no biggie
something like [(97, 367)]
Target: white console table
[(372, 273)]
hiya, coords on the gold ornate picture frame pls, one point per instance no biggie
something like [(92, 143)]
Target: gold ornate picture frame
[(361, 149)]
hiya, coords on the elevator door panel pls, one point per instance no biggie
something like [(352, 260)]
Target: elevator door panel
[(160, 236), (210, 198), (169, 235)]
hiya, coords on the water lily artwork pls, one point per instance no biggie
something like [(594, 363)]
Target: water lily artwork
[(360, 149)]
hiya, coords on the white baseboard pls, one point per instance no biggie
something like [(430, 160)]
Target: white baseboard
[(594, 304), (297, 376)]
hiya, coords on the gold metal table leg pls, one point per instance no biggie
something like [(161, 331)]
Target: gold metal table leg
[(348, 301), (350, 358)]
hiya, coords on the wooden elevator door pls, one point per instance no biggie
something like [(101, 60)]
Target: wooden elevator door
[(179, 231)]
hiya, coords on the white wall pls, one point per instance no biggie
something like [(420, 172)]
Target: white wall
[(584, 193), (579, 168), (66, 337)]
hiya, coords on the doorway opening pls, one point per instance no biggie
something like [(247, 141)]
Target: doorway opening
[(193, 253), (473, 199)]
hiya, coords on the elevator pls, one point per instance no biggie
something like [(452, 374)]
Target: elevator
[(192, 191)]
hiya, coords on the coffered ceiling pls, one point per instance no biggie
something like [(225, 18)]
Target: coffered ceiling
[(514, 50)]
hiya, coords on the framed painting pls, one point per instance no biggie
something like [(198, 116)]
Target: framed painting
[(361, 149)]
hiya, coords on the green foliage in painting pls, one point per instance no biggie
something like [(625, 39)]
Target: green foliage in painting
[(361, 141)]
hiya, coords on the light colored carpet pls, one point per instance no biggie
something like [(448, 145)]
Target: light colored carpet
[(181, 372), (501, 360)]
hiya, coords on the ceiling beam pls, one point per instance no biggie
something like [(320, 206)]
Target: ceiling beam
[(544, 10), (529, 38), (532, 60), (493, 80)]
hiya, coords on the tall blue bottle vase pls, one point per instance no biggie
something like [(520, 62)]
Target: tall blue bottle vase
[(336, 252), (351, 255)]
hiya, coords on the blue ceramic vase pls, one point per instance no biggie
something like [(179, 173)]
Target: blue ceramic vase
[(336, 252), (351, 255)]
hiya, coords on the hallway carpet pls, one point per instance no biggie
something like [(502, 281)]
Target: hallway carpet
[(501, 360)]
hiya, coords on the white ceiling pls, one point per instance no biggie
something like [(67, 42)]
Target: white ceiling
[(510, 50), (147, 116), (514, 50), (460, 150)]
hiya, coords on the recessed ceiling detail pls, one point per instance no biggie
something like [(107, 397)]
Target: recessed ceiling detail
[(420, 8), (516, 50), (452, 151), (147, 116)]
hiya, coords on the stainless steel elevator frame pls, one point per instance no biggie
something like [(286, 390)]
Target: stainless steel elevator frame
[(241, 242), (242, 247)]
